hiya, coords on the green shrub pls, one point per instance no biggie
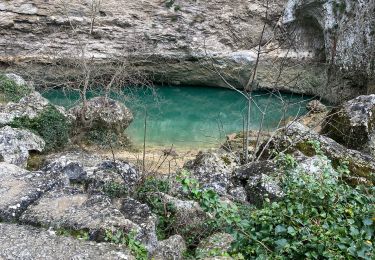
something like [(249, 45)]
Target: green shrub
[(115, 190), (50, 124), (10, 91), (136, 247), (164, 212), (320, 217)]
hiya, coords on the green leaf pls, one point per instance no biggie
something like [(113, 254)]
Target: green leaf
[(280, 229), (281, 243), (291, 231), (367, 222)]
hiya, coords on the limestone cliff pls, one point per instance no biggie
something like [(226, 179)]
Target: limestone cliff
[(345, 30), (182, 41)]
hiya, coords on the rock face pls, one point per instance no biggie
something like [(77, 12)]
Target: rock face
[(218, 243), (170, 249), (261, 180), (23, 242), (343, 32), (19, 189), (15, 145), (73, 210), (141, 215), (353, 124), (174, 41), (213, 170), (105, 113)]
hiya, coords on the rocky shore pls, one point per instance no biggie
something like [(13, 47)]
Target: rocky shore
[(77, 204)]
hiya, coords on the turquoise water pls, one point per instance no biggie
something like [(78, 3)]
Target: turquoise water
[(195, 116)]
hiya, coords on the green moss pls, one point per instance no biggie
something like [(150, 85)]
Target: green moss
[(79, 234), (10, 91), (35, 161), (50, 124), (306, 148)]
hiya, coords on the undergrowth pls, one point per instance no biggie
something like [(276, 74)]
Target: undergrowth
[(50, 124), (319, 217), (10, 91)]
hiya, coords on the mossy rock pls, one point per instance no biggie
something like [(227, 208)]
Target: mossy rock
[(10, 91), (50, 124)]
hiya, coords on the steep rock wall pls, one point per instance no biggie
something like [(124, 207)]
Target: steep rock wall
[(174, 41), (345, 29)]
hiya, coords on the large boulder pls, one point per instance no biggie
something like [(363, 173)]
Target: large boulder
[(19, 189), (17, 79), (25, 242), (297, 137), (213, 169), (101, 112), (352, 124), (15, 145)]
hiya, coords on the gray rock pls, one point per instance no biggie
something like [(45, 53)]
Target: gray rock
[(215, 245), (261, 181), (20, 188), (344, 25), (170, 249), (94, 171), (30, 106), (297, 137), (119, 171), (73, 210), (105, 113), (237, 194), (213, 170), (141, 215), (16, 79), (28, 243), (315, 106), (15, 145), (352, 124), (188, 214), (71, 167)]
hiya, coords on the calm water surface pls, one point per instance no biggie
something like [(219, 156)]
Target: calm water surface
[(195, 116)]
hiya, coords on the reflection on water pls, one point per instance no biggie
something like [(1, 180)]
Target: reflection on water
[(196, 116)]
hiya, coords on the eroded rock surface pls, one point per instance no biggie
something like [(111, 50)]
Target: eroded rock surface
[(73, 210), (20, 188), (352, 124), (30, 106), (261, 180), (296, 136), (24, 242), (213, 170), (105, 113), (170, 249), (141, 215), (218, 243), (15, 145)]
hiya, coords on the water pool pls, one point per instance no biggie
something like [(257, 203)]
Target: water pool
[(195, 116)]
